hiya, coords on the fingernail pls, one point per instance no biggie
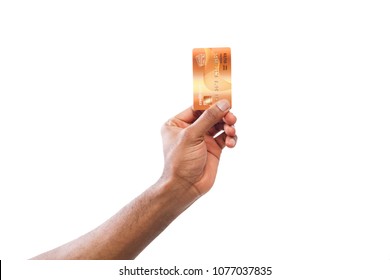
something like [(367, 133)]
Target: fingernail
[(223, 105), (232, 142)]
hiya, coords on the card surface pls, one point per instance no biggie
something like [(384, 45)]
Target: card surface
[(212, 76)]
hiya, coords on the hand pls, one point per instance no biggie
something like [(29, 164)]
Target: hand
[(193, 147)]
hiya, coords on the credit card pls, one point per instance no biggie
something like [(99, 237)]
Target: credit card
[(212, 76)]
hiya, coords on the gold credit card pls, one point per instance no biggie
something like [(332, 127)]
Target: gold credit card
[(212, 76)]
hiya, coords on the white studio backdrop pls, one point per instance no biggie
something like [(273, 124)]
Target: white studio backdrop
[(86, 85)]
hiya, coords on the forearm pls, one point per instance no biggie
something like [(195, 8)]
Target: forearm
[(192, 145), (129, 231)]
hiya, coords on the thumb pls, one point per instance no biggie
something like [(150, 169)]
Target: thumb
[(210, 117)]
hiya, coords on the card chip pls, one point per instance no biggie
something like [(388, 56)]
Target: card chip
[(207, 100)]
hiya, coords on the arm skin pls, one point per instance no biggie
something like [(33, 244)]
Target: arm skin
[(192, 149)]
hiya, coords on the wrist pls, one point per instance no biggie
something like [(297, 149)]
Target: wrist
[(179, 193)]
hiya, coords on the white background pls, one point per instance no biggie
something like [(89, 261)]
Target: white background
[(86, 85)]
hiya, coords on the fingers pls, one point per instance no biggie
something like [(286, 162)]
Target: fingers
[(229, 130), (230, 119), (231, 141), (210, 118), (224, 140), (212, 121), (221, 126), (216, 129), (189, 116)]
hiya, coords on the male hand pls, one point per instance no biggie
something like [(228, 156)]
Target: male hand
[(193, 145)]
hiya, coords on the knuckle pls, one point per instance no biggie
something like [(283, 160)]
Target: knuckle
[(166, 125)]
